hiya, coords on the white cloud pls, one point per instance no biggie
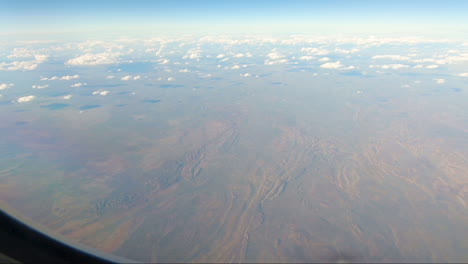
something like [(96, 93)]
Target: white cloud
[(21, 53), (77, 85), (239, 55), (390, 66), (129, 77), (103, 93), (69, 77), (94, 59), (25, 99), (164, 61), (246, 75), (220, 56), (275, 55), (307, 58), (439, 81), (67, 97), (39, 58), (40, 86), (4, 86), (24, 65), (235, 67), (338, 50), (208, 75), (18, 65), (465, 74), (332, 65), (110, 77), (391, 57), (184, 70), (63, 78), (171, 79), (324, 59), (315, 51), (192, 54), (348, 68), (272, 62), (432, 66)]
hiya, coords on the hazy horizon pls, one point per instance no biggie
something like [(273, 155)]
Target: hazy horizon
[(247, 131)]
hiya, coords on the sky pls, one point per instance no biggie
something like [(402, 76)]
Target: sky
[(292, 16)]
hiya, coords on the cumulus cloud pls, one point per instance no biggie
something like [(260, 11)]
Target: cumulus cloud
[(273, 62), (103, 93), (40, 86), (315, 51), (129, 77), (39, 58), (184, 70), (24, 65), (21, 53), (67, 97), (69, 77), (239, 55), (390, 66), (274, 55), (332, 65), (164, 61), (76, 85), (324, 59), (205, 76), (220, 56), (25, 99), (4, 86), (235, 67), (18, 65), (432, 66), (110, 77), (171, 79), (465, 74), (348, 68), (246, 75), (63, 78), (307, 58), (439, 81), (344, 51), (391, 57), (192, 54), (94, 59)]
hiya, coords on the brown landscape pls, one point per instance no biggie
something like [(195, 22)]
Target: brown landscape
[(246, 181)]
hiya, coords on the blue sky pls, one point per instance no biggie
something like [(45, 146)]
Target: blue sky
[(44, 16)]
